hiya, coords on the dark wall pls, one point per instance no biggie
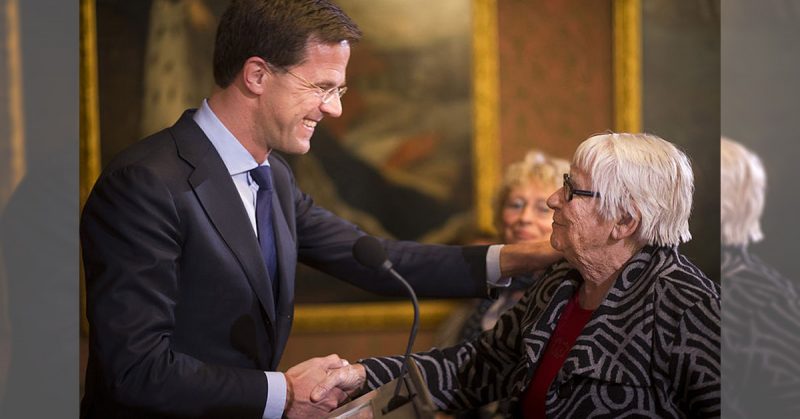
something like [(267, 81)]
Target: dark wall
[(681, 97), (761, 63)]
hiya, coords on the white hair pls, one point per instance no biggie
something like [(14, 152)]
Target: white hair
[(641, 174), (743, 184)]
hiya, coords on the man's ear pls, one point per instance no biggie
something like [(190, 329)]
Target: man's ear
[(626, 226), (255, 75)]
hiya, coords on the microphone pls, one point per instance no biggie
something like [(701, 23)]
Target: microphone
[(368, 251)]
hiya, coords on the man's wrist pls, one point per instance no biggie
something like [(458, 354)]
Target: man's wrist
[(494, 274), (277, 385), (289, 396)]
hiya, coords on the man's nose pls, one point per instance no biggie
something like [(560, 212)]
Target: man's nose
[(333, 108)]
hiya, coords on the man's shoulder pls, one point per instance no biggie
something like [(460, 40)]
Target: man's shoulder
[(160, 150), (145, 151)]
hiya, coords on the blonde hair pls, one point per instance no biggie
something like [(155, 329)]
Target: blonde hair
[(743, 183), (641, 174), (537, 168)]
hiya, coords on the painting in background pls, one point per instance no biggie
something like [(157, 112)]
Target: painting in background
[(398, 160), (154, 61)]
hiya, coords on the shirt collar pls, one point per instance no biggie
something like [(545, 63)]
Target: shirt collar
[(236, 158)]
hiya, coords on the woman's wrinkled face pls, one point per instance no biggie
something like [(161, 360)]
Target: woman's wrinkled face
[(577, 224), (525, 215)]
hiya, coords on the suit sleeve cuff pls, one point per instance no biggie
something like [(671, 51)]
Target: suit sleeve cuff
[(276, 395), (493, 273)]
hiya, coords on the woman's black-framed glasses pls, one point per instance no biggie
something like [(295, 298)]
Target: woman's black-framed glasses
[(570, 191)]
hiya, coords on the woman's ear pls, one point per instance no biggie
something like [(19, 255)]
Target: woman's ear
[(626, 226), (255, 75)]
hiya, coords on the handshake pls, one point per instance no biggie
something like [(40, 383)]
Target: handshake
[(319, 385)]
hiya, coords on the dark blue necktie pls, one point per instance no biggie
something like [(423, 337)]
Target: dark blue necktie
[(266, 235)]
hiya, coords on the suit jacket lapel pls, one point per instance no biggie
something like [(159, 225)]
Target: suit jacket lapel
[(287, 254), (218, 196)]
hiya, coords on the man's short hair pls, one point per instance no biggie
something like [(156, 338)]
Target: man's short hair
[(277, 31)]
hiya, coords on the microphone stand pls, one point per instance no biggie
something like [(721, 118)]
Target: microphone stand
[(397, 400), (369, 252)]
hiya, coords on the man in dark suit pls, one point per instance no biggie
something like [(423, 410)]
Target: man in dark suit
[(191, 237)]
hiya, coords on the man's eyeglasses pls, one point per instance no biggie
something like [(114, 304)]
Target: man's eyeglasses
[(325, 94), (570, 191)]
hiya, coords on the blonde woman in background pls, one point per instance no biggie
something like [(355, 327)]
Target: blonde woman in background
[(521, 215)]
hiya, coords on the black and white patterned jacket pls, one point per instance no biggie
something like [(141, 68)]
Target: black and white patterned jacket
[(651, 349)]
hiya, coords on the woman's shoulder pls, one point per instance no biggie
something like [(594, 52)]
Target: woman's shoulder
[(559, 274), (681, 281)]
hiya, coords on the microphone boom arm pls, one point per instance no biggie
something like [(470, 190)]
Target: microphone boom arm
[(396, 400)]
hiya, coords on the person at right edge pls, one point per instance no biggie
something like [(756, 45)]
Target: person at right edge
[(760, 363), (624, 326)]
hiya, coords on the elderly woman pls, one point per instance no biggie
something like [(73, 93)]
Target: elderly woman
[(624, 326), (762, 315)]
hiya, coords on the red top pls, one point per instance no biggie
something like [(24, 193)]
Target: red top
[(569, 326)]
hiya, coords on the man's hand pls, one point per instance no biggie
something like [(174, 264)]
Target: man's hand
[(302, 378), (348, 379), (527, 258)]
